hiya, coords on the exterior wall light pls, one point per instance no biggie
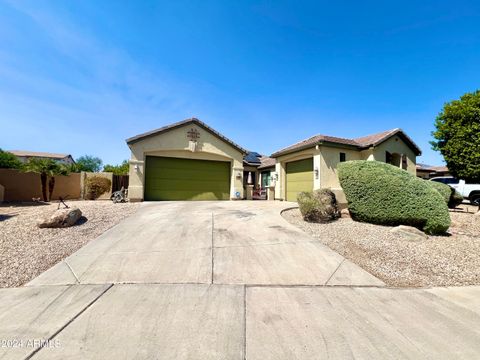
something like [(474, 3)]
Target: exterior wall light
[(316, 172)]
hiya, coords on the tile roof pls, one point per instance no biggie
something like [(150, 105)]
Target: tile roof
[(38, 154), (360, 142), (140, 137), (426, 167), (266, 162)]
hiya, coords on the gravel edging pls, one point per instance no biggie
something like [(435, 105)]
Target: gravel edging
[(452, 260), (26, 251)]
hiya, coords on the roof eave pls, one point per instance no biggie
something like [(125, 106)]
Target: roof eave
[(291, 151)]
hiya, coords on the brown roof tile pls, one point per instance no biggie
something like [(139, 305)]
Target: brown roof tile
[(38, 154), (266, 162), (360, 143)]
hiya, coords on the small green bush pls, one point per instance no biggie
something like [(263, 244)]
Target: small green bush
[(318, 206), (9, 161), (384, 194), (455, 199), (451, 196), (96, 186)]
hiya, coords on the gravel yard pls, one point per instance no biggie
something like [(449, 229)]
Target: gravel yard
[(26, 251), (437, 261)]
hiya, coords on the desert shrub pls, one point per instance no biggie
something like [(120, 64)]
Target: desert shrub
[(318, 206), (96, 186), (455, 199), (9, 161), (451, 196), (384, 194), (444, 190)]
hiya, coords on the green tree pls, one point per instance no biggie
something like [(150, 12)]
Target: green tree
[(9, 161), (457, 136), (121, 169), (89, 163), (48, 169)]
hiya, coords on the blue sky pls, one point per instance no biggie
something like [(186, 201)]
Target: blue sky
[(81, 76)]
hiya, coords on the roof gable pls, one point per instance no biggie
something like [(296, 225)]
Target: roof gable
[(199, 123)]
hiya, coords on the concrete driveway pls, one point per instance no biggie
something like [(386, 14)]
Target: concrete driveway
[(227, 280)]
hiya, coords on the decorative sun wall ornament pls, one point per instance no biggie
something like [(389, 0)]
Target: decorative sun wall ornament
[(193, 134)]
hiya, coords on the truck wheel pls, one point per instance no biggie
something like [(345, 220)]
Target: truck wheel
[(475, 199)]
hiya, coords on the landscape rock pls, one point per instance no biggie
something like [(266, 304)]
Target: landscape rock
[(60, 218), (318, 206), (345, 213), (409, 233)]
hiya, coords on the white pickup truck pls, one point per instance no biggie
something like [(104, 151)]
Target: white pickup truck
[(469, 191)]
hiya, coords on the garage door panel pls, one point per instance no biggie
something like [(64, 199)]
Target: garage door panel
[(299, 177), (173, 195), (190, 184), (174, 174), (186, 179)]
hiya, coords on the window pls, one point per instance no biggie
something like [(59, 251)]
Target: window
[(388, 157), (404, 162), (446, 180), (343, 157), (266, 178)]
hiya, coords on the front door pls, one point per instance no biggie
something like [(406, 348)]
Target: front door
[(265, 179)]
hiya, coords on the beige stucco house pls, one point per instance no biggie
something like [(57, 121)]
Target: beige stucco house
[(189, 160), (24, 156), (312, 163)]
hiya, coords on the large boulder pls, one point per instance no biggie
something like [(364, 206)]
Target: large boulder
[(408, 233), (318, 206), (60, 218), (380, 193)]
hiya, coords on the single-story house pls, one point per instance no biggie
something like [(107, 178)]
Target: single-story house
[(427, 171), (189, 160), (312, 163), (23, 156)]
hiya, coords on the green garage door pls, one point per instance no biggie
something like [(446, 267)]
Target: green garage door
[(186, 179), (299, 177)]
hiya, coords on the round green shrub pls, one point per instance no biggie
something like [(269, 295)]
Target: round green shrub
[(97, 185), (318, 206), (384, 194), (444, 190), (451, 196)]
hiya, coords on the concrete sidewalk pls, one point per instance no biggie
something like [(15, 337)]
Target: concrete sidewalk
[(198, 321), (227, 280)]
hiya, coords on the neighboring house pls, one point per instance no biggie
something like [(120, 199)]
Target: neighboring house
[(23, 156), (189, 160), (427, 172), (312, 163)]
